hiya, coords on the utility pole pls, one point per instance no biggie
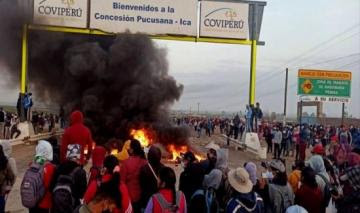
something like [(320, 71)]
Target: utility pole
[(198, 108), (285, 95)]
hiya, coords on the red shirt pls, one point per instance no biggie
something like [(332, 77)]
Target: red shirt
[(125, 199), (309, 198), (46, 202), (77, 133), (130, 175)]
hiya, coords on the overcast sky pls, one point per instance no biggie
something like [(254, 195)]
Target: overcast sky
[(320, 34), (217, 75)]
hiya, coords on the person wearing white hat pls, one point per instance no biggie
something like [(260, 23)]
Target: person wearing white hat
[(243, 199)]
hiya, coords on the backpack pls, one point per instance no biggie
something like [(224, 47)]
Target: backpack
[(240, 208), (327, 190), (287, 198), (63, 199), (209, 198), (32, 188), (167, 207)]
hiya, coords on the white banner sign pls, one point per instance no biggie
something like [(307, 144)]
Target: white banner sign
[(326, 99), (176, 17), (224, 20), (67, 13)]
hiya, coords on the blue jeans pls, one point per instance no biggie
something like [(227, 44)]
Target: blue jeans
[(248, 125), (2, 203)]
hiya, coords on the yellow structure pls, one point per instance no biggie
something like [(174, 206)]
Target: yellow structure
[(253, 44)]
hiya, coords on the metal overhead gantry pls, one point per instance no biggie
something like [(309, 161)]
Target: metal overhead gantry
[(256, 9)]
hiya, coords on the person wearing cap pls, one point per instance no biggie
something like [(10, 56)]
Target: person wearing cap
[(243, 199), (191, 179), (318, 150), (279, 194), (44, 156), (72, 167)]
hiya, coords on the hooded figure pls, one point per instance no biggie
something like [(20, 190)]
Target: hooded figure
[(206, 199), (77, 133), (213, 179), (44, 156), (317, 164), (149, 175), (43, 152), (222, 160), (251, 169), (296, 209), (192, 177)]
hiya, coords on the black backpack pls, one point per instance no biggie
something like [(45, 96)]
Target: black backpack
[(63, 198)]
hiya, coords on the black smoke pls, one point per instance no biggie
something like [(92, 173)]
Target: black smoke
[(119, 82)]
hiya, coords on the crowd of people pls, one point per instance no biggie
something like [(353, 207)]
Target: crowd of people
[(9, 125), (42, 122), (134, 181)]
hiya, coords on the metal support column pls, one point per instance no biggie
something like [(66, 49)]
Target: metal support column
[(252, 73), (24, 63)]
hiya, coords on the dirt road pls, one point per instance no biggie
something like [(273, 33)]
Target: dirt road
[(24, 154)]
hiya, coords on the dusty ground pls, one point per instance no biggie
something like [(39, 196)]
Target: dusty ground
[(24, 154)]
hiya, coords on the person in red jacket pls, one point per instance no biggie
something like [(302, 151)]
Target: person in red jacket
[(77, 133), (167, 199), (111, 167), (130, 173), (98, 157), (309, 195)]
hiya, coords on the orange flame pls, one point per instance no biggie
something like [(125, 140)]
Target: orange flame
[(143, 136), (178, 151)]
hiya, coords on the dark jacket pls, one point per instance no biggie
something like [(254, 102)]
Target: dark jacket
[(191, 179), (148, 181), (80, 181), (207, 165), (249, 202)]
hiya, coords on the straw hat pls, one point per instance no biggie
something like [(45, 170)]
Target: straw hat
[(239, 180)]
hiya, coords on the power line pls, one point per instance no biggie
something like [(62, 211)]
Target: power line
[(331, 60), (349, 64)]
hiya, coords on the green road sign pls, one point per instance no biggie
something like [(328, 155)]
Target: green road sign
[(324, 83), (319, 87)]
